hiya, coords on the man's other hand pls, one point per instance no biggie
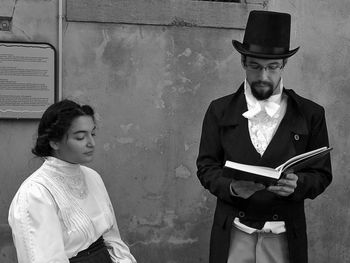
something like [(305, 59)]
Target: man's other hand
[(245, 189)]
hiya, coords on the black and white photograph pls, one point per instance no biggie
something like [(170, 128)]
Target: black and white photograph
[(174, 131)]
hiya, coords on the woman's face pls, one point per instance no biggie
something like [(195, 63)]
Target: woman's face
[(77, 145)]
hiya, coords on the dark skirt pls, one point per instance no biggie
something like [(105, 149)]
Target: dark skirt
[(96, 253)]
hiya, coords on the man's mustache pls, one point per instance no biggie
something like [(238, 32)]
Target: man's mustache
[(260, 83)]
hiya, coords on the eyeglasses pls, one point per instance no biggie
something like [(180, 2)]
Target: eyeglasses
[(271, 68)]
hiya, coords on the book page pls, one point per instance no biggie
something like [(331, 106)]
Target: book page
[(260, 170), (300, 157)]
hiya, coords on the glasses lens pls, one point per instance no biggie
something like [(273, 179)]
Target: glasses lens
[(270, 68)]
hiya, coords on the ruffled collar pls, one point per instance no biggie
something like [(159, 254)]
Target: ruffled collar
[(63, 167), (70, 176)]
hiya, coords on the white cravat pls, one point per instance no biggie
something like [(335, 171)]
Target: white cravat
[(270, 105)]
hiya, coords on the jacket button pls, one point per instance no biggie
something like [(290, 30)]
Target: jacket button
[(275, 217), (241, 214), (296, 137)]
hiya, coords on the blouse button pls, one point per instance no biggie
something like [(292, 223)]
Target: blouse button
[(296, 137)]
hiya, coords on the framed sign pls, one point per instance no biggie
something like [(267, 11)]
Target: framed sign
[(27, 79)]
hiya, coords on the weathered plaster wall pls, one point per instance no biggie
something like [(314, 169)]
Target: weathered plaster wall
[(150, 86)]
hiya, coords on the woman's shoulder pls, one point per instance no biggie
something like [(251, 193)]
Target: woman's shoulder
[(32, 182), (32, 190), (91, 174), (94, 180)]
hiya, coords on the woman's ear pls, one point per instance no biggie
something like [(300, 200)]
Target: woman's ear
[(54, 145)]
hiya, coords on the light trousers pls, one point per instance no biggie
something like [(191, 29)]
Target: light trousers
[(257, 247)]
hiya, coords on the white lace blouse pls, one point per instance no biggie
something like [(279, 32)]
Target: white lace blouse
[(61, 209)]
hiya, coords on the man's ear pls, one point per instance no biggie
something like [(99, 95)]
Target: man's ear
[(54, 145), (243, 61)]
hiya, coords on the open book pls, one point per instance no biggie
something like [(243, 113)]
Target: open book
[(269, 175)]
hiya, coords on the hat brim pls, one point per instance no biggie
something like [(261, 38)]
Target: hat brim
[(241, 49)]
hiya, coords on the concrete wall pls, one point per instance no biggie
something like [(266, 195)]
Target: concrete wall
[(150, 86)]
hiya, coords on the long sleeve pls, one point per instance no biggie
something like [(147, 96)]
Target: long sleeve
[(117, 249), (314, 181), (210, 159), (35, 226)]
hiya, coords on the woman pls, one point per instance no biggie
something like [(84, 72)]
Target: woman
[(62, 212)]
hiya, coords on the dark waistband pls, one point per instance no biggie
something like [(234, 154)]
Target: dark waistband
[(96, 246)]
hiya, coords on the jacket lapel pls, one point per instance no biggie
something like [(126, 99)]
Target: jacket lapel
[(235, 131), (291, 128)]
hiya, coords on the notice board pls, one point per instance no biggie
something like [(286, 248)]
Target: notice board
[(27, 79)]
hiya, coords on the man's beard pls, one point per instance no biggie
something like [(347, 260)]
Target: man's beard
[(262, 93)]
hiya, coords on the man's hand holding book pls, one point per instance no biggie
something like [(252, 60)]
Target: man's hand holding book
[(284, 186)]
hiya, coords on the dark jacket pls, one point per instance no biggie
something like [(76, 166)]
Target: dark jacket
[(225, 136)]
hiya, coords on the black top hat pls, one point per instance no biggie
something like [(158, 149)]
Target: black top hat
[(267, 35)]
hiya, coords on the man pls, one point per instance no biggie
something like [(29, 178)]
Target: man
[(264, 124)]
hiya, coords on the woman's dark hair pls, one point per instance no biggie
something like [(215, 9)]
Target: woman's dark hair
[(55, 123)]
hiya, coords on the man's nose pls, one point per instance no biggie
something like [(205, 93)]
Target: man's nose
[(264, 74)]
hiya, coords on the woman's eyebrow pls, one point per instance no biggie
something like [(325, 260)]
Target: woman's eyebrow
[(80, 131), (84, 131)]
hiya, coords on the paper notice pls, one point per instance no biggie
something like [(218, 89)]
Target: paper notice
[(27, 79)]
